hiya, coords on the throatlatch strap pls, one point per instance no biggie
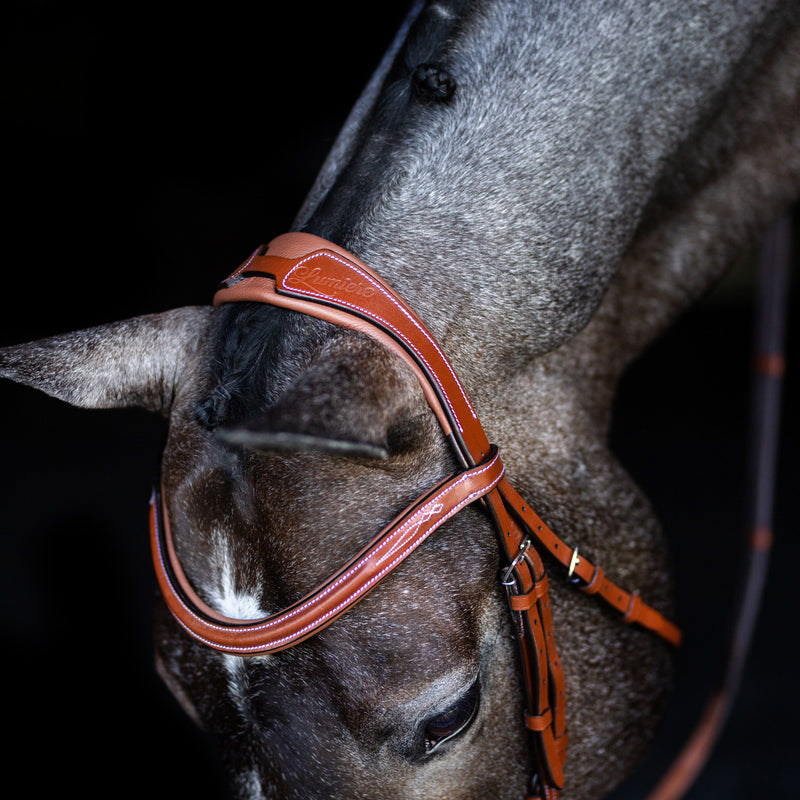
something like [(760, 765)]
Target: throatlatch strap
[(311, 275)]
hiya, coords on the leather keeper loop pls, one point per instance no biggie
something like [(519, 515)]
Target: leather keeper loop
[(634, 609), (539, 722), (770, 364), (525, 602), (595, 584)]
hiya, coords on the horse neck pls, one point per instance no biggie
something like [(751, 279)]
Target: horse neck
[(549, 216), (504, 215)]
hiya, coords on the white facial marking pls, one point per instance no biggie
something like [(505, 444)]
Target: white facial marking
[(250, 785), (228, 598), (235, 602)]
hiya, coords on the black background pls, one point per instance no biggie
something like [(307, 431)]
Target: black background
[(148, 148)]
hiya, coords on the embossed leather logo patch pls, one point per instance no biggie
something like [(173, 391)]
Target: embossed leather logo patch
[(324, 274)]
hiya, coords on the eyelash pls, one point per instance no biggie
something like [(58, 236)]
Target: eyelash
[(451, 722)]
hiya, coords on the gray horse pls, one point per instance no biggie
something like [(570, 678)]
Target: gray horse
[(548, 185)]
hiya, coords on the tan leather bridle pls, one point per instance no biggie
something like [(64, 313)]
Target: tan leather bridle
[(305, 273)]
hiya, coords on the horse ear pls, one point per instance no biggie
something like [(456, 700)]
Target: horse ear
[(355, 398), (135, 362)]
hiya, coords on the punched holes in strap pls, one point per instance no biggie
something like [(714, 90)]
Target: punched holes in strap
[(632, 607)]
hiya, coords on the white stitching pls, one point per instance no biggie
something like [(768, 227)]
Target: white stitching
[(243, 267), (402, 540)]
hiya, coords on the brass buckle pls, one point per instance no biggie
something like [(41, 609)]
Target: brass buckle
[(573, 562)]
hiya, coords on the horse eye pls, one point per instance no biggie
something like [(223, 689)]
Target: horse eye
[(452, 722)]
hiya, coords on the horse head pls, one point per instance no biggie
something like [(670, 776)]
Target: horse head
[(547, 186)]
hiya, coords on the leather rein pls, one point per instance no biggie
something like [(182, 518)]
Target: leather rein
[(305, 273)]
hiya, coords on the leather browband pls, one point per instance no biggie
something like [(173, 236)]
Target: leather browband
[(328, 601), (302, 272)]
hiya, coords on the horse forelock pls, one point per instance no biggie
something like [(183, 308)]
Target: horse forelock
[(256, 352)]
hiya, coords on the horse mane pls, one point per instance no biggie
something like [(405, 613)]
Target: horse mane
[(421, 71), (257, 351)]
